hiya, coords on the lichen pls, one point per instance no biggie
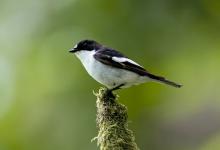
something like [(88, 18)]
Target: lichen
[(112, 123)]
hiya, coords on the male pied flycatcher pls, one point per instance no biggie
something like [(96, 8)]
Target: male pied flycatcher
[(111, 68)]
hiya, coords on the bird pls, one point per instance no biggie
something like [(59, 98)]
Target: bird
[(111, 68)]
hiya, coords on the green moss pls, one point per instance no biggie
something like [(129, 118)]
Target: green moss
[(112, 124)]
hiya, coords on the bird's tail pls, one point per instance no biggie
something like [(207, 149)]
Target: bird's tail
[(163, 80)]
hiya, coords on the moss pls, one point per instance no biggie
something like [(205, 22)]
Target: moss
[(112, 123)]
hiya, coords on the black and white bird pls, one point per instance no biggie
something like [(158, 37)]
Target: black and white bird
[(111, 68)]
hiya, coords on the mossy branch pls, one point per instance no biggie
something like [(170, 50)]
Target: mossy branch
[(112, 124)]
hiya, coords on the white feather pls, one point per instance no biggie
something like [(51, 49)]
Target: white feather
[(123, 59), (75, 46)]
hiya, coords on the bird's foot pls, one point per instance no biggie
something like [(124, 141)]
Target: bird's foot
[(110, 94), (109, 91), (117, 87)]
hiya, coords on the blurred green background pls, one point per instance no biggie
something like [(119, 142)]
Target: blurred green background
[(46, 100)]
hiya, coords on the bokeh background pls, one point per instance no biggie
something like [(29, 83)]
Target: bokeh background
[(46, 100)]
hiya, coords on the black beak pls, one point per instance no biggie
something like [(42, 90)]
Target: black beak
[(73, 50)]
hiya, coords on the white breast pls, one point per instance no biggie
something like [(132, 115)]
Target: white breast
[(87, 59), (100, 72)]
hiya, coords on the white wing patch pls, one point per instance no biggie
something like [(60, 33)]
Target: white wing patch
[(75, 46), (123, 59)]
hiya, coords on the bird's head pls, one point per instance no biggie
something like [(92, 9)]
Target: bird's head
[(85, 45)]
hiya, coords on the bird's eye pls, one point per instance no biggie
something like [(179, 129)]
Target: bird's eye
[(85, 44)]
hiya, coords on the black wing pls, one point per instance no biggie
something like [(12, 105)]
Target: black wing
[(105, 56)]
